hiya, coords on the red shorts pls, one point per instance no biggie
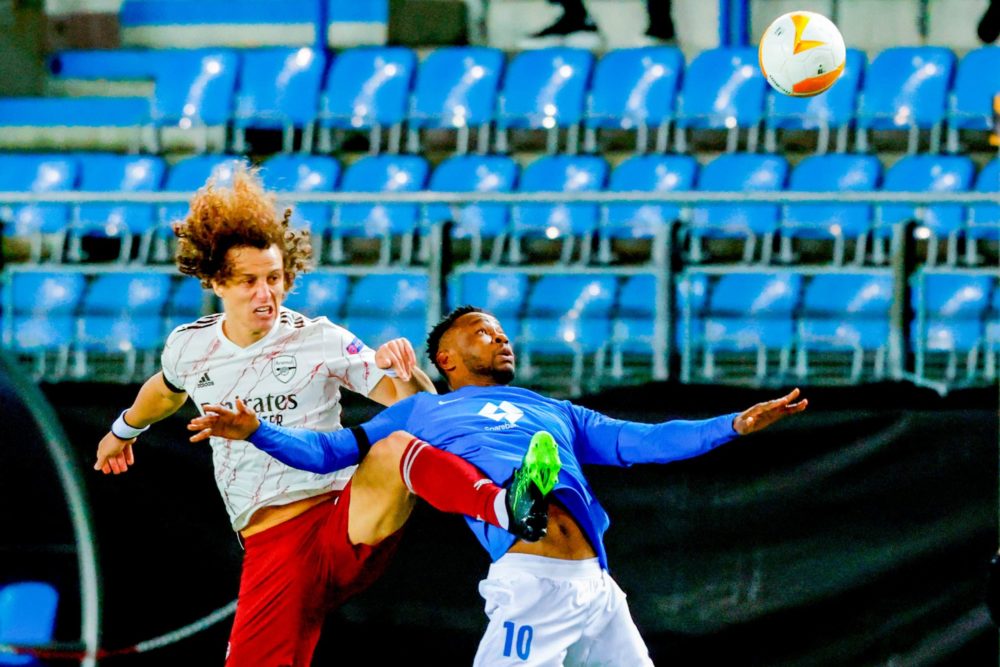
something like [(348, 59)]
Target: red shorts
[(293, 574)]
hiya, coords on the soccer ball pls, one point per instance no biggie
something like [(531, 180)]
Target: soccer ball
[(802, 54)]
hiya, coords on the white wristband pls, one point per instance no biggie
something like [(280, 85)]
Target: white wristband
[(390, 372), (121, 429)]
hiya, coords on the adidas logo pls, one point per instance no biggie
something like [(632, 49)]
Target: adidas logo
[(205, 381)]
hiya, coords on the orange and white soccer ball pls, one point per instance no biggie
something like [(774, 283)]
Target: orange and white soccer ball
[(802, 54)]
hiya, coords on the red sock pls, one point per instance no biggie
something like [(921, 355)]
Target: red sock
[(448, 482)]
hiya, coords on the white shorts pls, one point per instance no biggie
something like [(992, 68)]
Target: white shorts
[(546, 611)]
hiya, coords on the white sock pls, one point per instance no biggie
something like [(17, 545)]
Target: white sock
[(500, 509)]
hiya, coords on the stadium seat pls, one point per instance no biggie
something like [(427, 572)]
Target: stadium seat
[(970, 105), (992, 337), (906, 88), (644, 173), (632, 329), (950, 309), (192, 90), (88, 123), (544, 90), (43, 225), (502, 294), (844, 319), (748, 323), (925, 173), (278, 89), (634, 89), (984, 219), (386, 306), (740, 172), (839, 222), (185, 303), (120, 326), (832, 111), (40, 327), (205, 23), (567, 316), (456, 89), (380, 173), (353, 23), (690, 304), (127, 222), (559, 173), (723, 90), (27, 617), (475, 222), (367, 89), (293, 173), (319, 295)]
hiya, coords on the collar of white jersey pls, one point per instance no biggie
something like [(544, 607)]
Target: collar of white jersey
[(226, 342)]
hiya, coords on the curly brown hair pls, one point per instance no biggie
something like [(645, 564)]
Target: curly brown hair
[(242, 215)]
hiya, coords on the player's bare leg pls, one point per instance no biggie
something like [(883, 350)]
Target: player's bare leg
[(380, 501)]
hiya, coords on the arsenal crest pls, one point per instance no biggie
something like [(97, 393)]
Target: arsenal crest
[(284, 367)]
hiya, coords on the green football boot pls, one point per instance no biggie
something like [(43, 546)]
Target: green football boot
[(528, 490)]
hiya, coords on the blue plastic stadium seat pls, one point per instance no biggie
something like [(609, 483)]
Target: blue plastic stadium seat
[(288, 174), (353, 23), (367, 89), (380, 173), (38, 174), (749, 320), (840, 222), (984, 219), (190, 174), (559, 173), (690, 303), (470, 173), (844, 316), (568, 316), (203, 23), (970, 105), (502, 294), (906, 88), (723, 90), (927, 173), (635, 89), (130, 293), (832, 111), (456, 89), (950, 309), (544, 90), (319, 295), (75, 122), (385, 306), (632, 329), (41, 325), (738, 173), (27, 617), (646, 173), (279, 89), (185, 303), (129, 222)]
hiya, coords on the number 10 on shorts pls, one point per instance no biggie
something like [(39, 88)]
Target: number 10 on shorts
[(523, 637)]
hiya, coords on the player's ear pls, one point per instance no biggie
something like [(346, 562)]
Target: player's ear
[(216, 287), (444, 360)]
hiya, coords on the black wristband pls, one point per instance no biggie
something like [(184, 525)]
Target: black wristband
[(364, 444)]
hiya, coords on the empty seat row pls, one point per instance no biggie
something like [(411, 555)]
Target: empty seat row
[(461, 88), (572, 224)]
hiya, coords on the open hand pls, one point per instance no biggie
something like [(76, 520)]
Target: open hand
[(222, 422), (764, 414)]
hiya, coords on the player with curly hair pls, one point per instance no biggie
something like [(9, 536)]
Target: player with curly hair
[(311, 540)]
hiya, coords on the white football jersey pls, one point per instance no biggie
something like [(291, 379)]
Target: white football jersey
[(292, 377)]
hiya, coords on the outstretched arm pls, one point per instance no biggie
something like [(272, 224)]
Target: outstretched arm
[(762, 415), (155, 401)]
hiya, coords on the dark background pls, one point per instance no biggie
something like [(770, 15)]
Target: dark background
[(857, 533)]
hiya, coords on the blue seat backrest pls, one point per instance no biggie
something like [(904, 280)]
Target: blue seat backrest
[(565, 173), (907, 85), (368, 86), (954, 295), (296, 173), (47, 293), (634, 87), (928, 173), (386, 173), (822, 173), (317, 294), (749, 294), (27, 616), (75, 111), (651, 173), (637, 297), (388, 295), (976, 82), (743, 171), (186, 298), (545, 88), (457, 87), (202, 13), (574, 296), (127, 173), (835, 107), (848, 294), (473, 173), (127, 294), (192, 173), (722, 86), (38, 173), (691, 291), (502, 294), (280, 84)]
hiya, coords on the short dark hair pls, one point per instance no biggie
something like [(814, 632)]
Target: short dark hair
[(441, 328)]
